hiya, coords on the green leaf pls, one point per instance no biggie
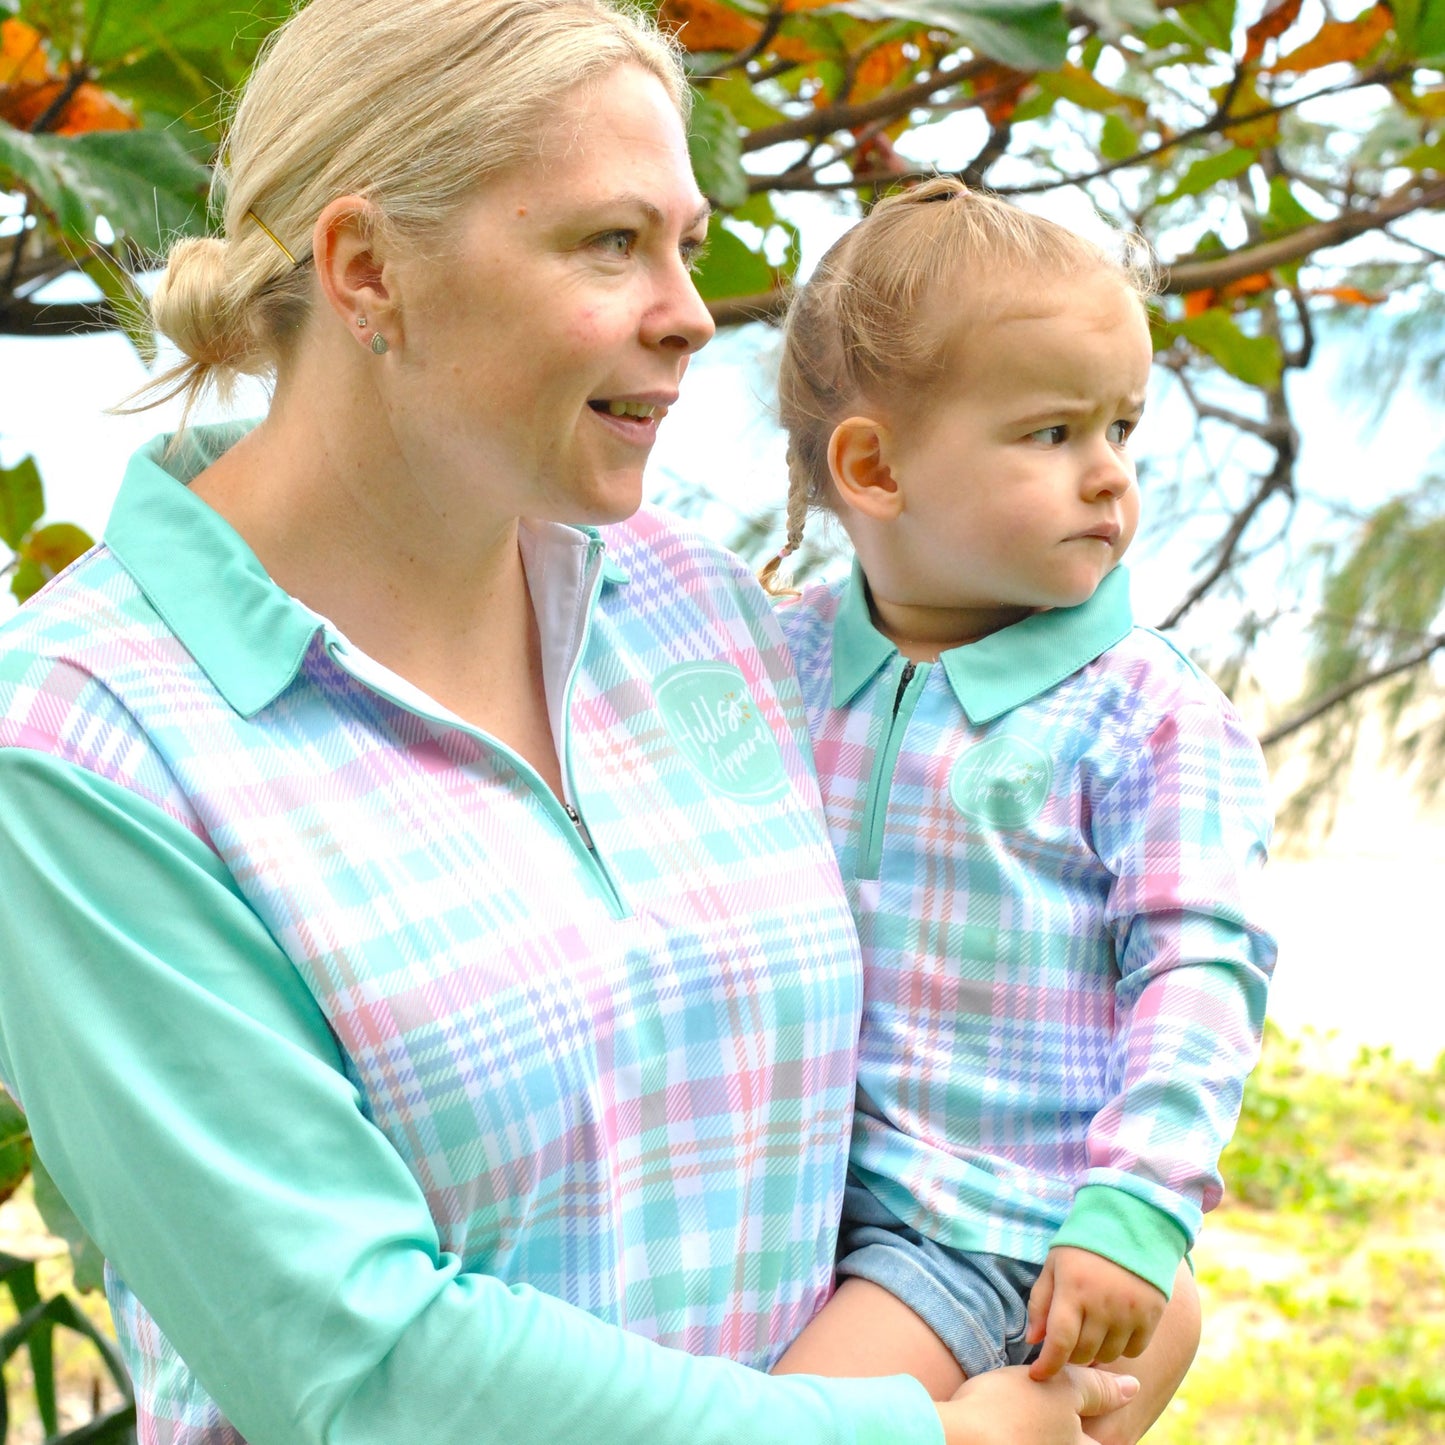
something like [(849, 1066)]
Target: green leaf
[(1286, 213), (1425, 157), (1254, 360), (22, 501), (14, 1146), (716, 150), (1212, 21), (1027, 35), (729, 268), (1208, 172), (1121, 17), (60, 1220), (1117, 140), (749, 109), (26, 580), (145, 183), (119, 31), (1083, 90)]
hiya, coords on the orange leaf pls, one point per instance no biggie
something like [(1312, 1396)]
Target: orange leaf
[(791, 47), (1247, 286), (1270, 26), (996, 90), (877, 154), (55, 547), (879, 69), (22, 56), (89, 108), (1350, 295), (1338, 40), (707, 25), (1196, 303), (92, 108)]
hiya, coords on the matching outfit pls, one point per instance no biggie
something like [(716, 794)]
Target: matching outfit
[(1050, 839), (388, 1082)]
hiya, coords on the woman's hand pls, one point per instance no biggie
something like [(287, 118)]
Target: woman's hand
[(1006, 1407)]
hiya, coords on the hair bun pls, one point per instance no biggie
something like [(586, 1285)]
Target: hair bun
[(191, 306)]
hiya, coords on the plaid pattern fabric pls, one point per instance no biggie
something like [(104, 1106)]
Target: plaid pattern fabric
[(1049, 845), (621, 1074)]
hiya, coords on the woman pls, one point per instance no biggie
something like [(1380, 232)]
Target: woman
[(425, 969)]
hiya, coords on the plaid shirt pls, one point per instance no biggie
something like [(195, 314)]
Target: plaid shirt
[(379, 1078), (1048, 838)]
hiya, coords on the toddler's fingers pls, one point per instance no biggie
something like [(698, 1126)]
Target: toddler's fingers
[(1116, 1342), (1087, 1342), (1059, 1344), (1040, 1298)]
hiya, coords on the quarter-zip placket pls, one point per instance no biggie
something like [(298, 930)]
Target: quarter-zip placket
[(911, 677), (563, 813)]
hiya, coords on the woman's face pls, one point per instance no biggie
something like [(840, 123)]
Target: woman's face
[(545, 339)]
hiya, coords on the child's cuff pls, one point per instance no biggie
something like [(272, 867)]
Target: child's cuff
[(1121, 1227)]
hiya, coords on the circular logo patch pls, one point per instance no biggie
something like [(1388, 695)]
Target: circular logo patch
[(715, 724), (1003, 782)]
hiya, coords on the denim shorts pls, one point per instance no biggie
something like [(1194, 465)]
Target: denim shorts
[(977, 1304)]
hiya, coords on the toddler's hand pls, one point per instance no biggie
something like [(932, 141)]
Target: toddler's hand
[(1088, 1310)]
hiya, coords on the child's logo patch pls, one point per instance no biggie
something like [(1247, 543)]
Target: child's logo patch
[(715, 723), (1004, 782)]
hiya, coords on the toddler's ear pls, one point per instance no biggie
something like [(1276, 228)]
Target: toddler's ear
[(861, 476)]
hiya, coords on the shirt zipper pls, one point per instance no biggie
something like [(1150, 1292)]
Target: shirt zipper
[(880, 782), (577, 833)]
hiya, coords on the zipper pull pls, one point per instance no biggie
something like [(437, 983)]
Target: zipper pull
[(577, 823), (909, 668)]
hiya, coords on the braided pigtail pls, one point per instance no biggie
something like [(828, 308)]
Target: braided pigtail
[(800, 487)]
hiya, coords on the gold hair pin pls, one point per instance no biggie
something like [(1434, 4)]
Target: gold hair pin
[(275, 239)]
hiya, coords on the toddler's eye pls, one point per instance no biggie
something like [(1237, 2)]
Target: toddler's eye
[(1120, 431), (1050, 436)]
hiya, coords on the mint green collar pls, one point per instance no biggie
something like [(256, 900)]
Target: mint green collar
[(1001, 671), (248, 636)]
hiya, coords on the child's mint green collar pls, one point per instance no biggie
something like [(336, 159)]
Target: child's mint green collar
[(1001, 671), (248, 635)]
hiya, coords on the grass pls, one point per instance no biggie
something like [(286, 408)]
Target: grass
[(1323, 1274)]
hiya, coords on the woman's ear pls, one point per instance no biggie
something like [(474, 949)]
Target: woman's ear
[(354, 270), (861, 475)]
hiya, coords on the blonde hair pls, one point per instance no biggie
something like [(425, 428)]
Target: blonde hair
[(410, 104), (887, 307)]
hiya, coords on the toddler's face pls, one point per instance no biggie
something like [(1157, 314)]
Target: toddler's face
[(1019, 492)]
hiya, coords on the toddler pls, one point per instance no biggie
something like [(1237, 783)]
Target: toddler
[(1047, 818)]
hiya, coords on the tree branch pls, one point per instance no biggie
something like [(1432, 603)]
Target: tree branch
[(1346, 690), (1220, 270), (78, 318), (770, 29), (738, 310), (845, 117)]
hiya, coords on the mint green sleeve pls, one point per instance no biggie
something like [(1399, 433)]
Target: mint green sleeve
[(189, 1098), (1127, 1230)]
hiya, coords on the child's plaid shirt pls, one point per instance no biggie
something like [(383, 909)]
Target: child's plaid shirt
[(1049, 839), (390, 1088)]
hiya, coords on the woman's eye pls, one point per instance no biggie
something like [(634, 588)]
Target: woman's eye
[(1120, 431), (1050, 436), (616, 243), (692, 253)]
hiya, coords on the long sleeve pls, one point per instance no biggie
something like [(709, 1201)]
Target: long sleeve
[(1183, 832), (187, 1094)]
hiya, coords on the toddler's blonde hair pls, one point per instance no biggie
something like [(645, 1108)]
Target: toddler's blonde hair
[(892, 300)]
